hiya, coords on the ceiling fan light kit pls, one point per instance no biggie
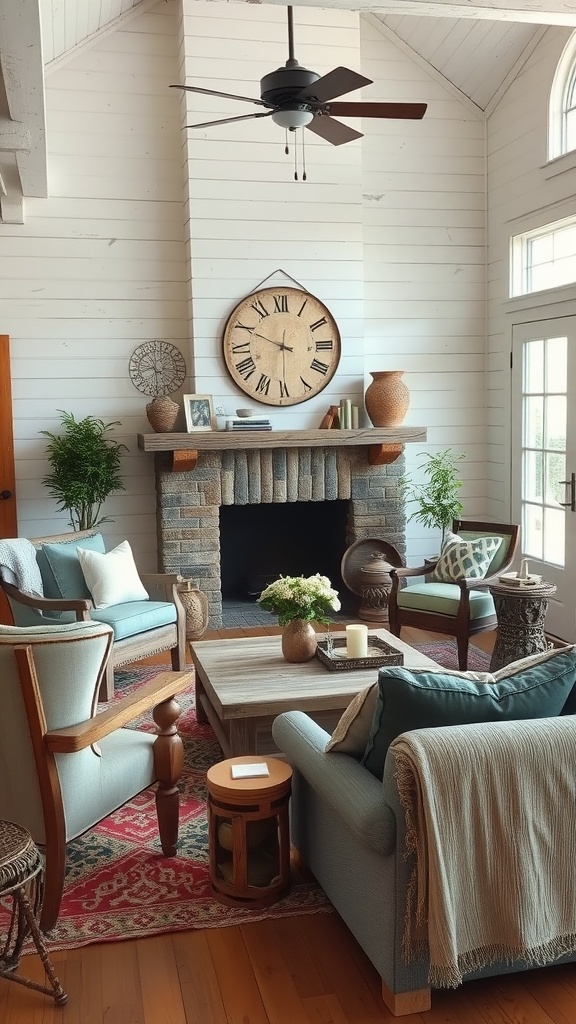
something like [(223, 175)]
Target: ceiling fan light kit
[(295, 97)]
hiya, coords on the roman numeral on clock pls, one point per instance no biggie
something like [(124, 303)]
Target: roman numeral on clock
[(263, 384), (324, 346), (284, 393), (301, 310), (307, 387), (246, 367), (242, 327), (280, 303), (318, 323), (259, 308), (241, 346), (318, 366)]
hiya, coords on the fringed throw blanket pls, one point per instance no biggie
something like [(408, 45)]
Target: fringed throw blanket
[(491, 822)]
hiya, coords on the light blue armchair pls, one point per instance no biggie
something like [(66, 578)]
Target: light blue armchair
[(141, 627), (62, 767)]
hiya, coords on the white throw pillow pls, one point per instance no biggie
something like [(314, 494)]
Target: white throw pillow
[(112, 578), (464, 559)]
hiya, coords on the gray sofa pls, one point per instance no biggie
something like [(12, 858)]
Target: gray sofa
[(349, 828)]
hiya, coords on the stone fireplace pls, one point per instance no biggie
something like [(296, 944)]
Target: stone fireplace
[(189, 501)]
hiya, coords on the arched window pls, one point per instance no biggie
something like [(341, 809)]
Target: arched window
[(562, 111)]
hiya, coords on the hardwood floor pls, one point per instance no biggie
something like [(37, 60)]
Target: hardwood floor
[(300, 970)]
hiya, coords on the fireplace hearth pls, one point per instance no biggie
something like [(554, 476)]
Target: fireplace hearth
[(334, 486)]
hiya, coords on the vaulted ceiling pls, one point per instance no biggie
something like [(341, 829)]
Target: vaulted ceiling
[(475, 46)]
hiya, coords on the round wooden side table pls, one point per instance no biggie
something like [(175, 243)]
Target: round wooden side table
[(521, 612), (249, 834), (21, 877)]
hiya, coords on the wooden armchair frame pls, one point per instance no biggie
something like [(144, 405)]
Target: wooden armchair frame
[(162, 638), (460, 626), (157, 694)]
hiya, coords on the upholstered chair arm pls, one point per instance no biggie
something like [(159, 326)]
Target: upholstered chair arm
[(150, 694), (80, 606)]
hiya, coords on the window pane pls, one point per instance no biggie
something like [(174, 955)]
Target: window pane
[(533, 476), (565, 242), (555, 473), (541, 250), (555, 523), (533, 422), (532, 531), (545, 276), (534, 366), (555, 436), (571, 130), (556, 369)]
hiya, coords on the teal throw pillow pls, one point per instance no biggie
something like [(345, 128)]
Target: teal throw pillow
[(464, 559), (535, 687), (61, 570)]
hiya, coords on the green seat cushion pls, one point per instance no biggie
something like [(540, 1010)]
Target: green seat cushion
[(535, 687), (60, 569), (443, 599), (135, 617)]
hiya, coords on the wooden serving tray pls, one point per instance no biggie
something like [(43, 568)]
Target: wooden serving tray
[(379, 653)]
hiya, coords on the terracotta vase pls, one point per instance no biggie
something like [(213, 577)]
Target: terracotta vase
[(298, 641), (162, 413), (387, 398)]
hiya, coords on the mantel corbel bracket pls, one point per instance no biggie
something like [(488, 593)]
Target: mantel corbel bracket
[(384, 454), (183, 461)]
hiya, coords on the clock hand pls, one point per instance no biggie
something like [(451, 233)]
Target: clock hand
[(279, 344)]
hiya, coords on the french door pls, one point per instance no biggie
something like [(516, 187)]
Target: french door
[(544, 459)]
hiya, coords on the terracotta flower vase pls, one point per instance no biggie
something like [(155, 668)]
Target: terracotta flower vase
[(298, 641), (387, 398)]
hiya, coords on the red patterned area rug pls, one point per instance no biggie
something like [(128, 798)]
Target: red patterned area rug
[(118, 883), (445, 653)]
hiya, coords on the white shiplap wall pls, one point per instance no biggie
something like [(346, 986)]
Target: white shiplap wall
[(424, 263), (247, 217), (99, 267), (521, 196)]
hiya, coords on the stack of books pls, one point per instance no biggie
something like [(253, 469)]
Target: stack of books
[(248, 423)]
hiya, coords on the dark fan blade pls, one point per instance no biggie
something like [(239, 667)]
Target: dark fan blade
[(226, 95), (333, 131), (415, 111), (335, 83), (228, 120)]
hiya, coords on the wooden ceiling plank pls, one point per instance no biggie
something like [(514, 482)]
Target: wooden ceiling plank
[(538, 12)]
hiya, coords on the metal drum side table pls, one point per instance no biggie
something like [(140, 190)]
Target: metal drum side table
[(21, 877), (521, 612), (248, 828)]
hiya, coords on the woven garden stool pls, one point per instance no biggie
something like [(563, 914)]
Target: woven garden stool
[(22, 878)]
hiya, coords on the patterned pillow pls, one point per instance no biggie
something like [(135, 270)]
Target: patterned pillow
[(464, 559)]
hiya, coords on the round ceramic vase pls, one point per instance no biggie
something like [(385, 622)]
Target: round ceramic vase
[(387, 398), (298, 641)]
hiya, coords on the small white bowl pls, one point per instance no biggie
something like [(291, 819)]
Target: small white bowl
[(243, 413)]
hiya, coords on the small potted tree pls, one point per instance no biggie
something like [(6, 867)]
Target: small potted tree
[(85, 468), (437, 502)]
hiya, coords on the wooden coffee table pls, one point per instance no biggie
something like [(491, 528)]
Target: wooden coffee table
[(244, 683)]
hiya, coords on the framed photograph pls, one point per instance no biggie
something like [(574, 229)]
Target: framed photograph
[(199, 412)]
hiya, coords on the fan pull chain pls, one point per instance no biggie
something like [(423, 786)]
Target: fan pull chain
[(296, 159), (286, 149), (303, 156)]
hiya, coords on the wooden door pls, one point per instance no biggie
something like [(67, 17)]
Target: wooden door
[(8, 519)]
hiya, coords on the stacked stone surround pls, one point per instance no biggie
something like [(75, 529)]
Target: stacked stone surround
[(188, 504)]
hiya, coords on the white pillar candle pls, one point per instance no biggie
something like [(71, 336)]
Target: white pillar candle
[(357, 641)]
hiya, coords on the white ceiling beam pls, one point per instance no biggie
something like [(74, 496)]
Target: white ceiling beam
[(536, 12), (14, 136), (23, 72), (11, 198)]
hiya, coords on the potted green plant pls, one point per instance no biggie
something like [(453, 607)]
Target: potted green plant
[(437, 502), (85, 468)]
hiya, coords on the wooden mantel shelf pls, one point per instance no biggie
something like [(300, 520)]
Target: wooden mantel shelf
[(384, 444)]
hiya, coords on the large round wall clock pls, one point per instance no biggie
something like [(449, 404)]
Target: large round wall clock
[(157, 368), (281, 346)]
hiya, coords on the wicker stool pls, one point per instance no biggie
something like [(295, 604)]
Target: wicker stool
[(21, 877)]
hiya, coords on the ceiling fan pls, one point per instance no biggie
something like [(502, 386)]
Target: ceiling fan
[(298, 98)]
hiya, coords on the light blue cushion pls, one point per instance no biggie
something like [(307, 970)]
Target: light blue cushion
[(444, 599), (60, 568), (535, 687), (135, 616)]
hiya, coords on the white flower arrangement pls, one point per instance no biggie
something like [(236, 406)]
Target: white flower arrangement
[(301, 597)]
